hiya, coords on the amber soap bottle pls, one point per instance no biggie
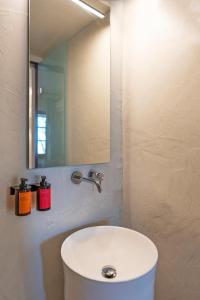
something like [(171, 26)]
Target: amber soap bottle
[(44, 195), (23, 199)]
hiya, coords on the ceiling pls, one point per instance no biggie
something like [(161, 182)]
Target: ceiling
[(54, 21)]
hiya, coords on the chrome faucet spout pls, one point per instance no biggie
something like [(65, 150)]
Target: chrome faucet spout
[(96, 182), (93, 177), (98, 178), (99, 187)]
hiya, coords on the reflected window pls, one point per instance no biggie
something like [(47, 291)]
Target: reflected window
[(41, 134)]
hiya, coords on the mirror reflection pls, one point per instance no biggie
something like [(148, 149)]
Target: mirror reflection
[(69, 83)]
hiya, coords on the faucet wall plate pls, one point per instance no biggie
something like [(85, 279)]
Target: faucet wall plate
[(77, 177)]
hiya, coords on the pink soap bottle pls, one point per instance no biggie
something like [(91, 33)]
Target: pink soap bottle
[(44, 195)]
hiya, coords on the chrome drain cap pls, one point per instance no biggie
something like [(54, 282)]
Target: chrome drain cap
[(109, 272)]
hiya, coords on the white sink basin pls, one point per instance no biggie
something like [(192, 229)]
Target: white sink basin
[(131, 255)]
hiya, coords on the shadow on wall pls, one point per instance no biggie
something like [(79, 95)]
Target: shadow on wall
[(53, 275)]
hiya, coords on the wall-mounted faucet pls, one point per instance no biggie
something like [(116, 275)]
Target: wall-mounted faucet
[(93, 177)]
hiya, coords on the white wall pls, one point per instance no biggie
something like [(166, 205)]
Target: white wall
[(29, 255), (162, 137)]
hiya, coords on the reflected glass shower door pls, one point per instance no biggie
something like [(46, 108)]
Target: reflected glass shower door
[(50, 115)]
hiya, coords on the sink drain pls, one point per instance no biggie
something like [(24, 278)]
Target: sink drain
[(109, 272)]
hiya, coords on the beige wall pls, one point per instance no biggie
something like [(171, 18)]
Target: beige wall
[(162, 137), (88, 95), (30, 263)]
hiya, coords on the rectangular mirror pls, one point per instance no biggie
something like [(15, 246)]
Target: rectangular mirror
[(69, 83)]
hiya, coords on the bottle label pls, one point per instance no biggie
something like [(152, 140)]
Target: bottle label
[(44, 198), (24, 202)]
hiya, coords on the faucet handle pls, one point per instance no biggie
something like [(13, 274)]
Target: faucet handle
[(96, 175), (100, 176)]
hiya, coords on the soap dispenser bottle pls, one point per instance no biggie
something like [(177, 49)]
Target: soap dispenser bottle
[(23, 199), (44, 195)]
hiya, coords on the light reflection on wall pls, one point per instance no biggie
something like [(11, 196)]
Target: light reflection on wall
[(150, 22)]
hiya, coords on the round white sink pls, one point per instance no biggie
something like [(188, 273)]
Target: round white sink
[(126, 255)]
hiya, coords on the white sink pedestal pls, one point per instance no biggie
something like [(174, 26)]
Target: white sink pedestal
[(87, 251)]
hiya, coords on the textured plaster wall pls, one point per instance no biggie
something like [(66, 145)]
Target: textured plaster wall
[(162, 137), (30, 261)]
